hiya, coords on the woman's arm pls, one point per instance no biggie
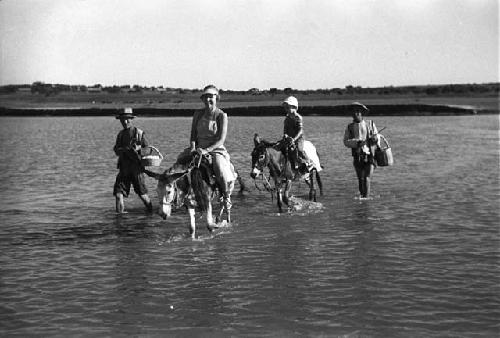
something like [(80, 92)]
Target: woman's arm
[(194, 135)]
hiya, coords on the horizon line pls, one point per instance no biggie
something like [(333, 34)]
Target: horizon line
[(261, 89)]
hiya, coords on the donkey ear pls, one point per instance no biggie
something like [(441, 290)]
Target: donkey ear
[(256, 139)]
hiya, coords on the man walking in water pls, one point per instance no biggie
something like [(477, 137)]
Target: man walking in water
[(362, 137), (128, 145)]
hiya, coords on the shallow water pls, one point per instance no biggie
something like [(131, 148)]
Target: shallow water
[(421, 258)]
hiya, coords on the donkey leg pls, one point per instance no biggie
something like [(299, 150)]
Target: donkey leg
[(211, 225), (311, 187), (192, 223), (227, 200), (320, 184), (218, 218), (312, 190), (279, 200), (286, 194)]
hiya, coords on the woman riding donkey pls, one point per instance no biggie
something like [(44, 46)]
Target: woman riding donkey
[(208, 134)]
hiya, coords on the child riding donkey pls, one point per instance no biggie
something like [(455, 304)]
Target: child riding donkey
[(293, 137)]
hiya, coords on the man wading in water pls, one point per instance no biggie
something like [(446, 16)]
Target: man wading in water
[(362, 137), (128, 145)]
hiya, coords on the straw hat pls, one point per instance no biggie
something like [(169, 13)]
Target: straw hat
[(358, 105), (292, 101), (126, 113)]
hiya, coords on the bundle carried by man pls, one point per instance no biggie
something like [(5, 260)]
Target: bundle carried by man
[(383, 153)]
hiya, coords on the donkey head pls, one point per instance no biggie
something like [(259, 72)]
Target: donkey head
[(259, 156), (166, 190)]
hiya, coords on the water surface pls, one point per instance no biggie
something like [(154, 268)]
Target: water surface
[(421, 258)]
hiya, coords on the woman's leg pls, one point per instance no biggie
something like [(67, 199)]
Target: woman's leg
[(224, 178)]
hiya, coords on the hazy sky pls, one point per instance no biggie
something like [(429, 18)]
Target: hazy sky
[(240, 44)]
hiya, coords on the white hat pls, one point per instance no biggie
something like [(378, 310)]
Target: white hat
[(211, 90), (292, 101)]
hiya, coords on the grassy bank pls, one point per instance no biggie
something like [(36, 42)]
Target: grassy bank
[(156, 104)]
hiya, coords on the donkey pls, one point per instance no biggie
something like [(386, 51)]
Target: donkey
[(191, 186), (266, 154)]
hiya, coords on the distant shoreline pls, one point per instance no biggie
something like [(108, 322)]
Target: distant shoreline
[(105, 104), (325, 110)]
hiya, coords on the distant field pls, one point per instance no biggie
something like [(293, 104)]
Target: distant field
[(67, 100)]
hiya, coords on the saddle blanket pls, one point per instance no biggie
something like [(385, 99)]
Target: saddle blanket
[(312, 154)]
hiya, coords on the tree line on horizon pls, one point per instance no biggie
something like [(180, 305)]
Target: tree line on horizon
[(48, 89)]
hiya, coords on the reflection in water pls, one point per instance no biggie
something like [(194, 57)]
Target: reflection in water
[(361, 270)]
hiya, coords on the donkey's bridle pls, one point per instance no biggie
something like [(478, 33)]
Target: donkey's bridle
[(195, 163), (260, 165), (175, 198), (261, 161)]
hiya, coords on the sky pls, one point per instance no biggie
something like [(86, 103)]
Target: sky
[(243, 44)]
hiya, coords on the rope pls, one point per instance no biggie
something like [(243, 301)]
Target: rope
[(266, 184)]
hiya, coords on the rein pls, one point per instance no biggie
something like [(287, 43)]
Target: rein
[(176, 201), (196, 162), (266, 183), (267, 186)]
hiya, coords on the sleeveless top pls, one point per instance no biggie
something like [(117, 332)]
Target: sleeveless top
[(207, 128)]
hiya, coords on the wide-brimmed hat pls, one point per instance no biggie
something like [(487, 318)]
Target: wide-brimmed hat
[(358, 105), (210, 90), (292, 101), (126, 113)]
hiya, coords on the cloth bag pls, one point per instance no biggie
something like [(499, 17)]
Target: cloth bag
[(383, 153)]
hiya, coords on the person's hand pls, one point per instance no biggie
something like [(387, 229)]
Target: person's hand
[(361, 143), (288, 139), (201, 151)]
